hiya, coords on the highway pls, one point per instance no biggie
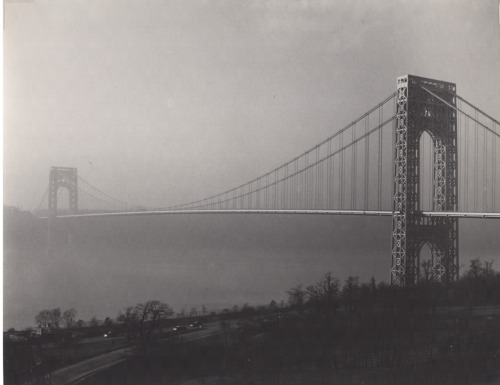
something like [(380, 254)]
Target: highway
[(76, 373)]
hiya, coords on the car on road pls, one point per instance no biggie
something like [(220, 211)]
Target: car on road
[(196, 325), (179, 328)]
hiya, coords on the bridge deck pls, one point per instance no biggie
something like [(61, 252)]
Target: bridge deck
[(449, 214)]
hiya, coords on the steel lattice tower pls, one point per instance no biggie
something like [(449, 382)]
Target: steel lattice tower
[(418, 112), (63, 177)]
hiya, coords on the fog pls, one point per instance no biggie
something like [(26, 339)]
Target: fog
[(101, 265)]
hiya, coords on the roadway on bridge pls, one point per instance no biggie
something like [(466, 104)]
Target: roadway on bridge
[(448, 214)]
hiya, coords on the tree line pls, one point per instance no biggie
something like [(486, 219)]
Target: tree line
[(479, 285), (51, 319)]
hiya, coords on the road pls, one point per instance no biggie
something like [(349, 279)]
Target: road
[(76, 373)]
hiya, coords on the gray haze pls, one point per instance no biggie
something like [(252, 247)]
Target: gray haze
[(161, 102), (101, 265)]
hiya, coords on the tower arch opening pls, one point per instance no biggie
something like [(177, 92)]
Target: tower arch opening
[(425, 262), (431, 260), (63, 200), (426, 147)]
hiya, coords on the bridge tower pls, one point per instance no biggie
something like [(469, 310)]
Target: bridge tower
[(417, 111), (63, 177)]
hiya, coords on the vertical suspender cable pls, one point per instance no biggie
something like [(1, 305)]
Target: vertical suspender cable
[(282, 192), (249, 195), (353, 170), (310, 185), (253, 196), (466, 184), (494, 172), (300, 190), (306, 184), (305, 192), (279, 186), (328, 176), (279, 191), (287, 188), (318, 179), (276, 191), (476, 166), (485, 170), (296, 202), (267, 192), (320, 184), (306, 181), (283, 189), (379, 189), (341, 184), (257, 195), (302, 194), (367, 164)]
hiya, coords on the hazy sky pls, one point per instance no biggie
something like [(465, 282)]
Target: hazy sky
[(162, 102), (158, 102)]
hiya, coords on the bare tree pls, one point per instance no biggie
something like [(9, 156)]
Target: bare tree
[(474, 269), (69, 317), (144, 318), (351, 293), (129, 318), (487, 270), (296, 297), (48, 319), (42, 319), (479, 270), (108, 322), (55, 317), (324, 296)]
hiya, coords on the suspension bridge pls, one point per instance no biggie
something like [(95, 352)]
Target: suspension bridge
[(423, 155)]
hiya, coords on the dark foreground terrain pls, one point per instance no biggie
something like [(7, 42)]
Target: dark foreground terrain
[(379, 345), (382, 343)]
